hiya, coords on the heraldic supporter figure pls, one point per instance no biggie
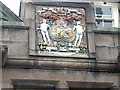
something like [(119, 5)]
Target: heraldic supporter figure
[(44, 31), (79, 33)]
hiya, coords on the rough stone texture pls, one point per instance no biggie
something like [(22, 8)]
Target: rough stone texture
[(62, 85), (14, 34), (19, 35), (16, 39), (107, 46), (40, 74), (107, 53), (106, 39), (21, 49), (6, 34)]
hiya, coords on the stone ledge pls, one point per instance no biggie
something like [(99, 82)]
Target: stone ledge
[(77, 65), (107, 30), (7, 24)]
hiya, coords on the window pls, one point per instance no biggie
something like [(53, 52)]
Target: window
[(104, 12), (103, 16)]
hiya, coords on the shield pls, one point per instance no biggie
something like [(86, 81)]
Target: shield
[(62, 34)]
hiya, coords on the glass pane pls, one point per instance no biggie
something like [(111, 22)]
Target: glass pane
[(99, 23), (108, 23), (106, 11), (99, 11)]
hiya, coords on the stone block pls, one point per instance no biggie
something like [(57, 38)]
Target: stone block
[(19, 35), (75, 76), (91, 42), (18, 49), (107, 53), (6, 34), (106, 40), (0, 33), (7, 84), (29, 11)]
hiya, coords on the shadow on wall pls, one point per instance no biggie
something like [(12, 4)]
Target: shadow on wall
[(4, 53)]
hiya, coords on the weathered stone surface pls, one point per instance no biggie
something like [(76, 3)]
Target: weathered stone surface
[(19, 35), (16, 39), (0, 33), (40, 74), (6, 34), (18, 49), (14, 34), (106, 39), (107, 53), (62, 85)]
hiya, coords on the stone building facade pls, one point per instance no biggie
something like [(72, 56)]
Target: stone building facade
[(30, 64)]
